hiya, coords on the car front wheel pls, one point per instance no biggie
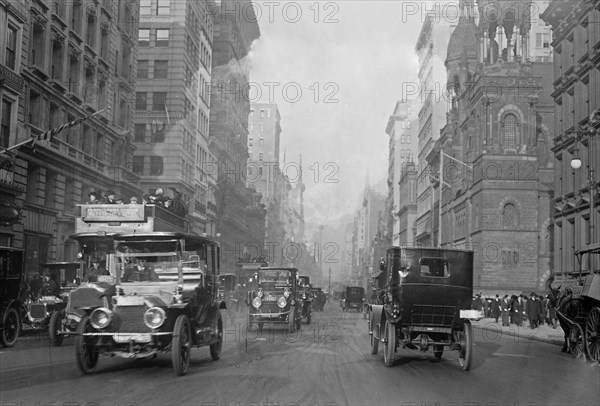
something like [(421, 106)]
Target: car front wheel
[(87, 356), (12, 328), (182, 344), (55, 328)]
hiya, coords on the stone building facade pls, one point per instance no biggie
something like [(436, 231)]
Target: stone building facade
[(59, 61), (173, 105), (496, 169), (576, 85)]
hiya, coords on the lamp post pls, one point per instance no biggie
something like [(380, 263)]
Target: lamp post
[(594, 122)]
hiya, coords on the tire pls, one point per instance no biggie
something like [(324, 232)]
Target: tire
[(577, 342), (465, 355), (592, 335), (298, 323), (389, 346), (12, 327), (438, 350), (374, 341), (292, 322), (87, 356), (182, 344), (55, 327), (308, 318), (216, 348)]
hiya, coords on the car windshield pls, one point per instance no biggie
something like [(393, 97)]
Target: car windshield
[(163, 267), (273, 278)]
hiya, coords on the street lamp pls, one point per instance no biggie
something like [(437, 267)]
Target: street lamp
[(594, 122)]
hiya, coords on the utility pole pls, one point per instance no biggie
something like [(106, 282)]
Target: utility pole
[(329, 288)]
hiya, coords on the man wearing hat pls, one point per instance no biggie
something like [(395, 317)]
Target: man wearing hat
[(110, 197), (93, 198), (534, 309), (96, 270)]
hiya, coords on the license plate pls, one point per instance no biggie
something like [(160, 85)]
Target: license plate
[(470, 314), (127, 337), (130, 300)]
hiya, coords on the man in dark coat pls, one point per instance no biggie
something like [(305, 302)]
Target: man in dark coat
[(505, 310), (496, 308), (518, 311), (533, 310)]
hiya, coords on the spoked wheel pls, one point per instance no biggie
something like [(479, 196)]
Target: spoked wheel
[(87, 356), (299, 324), (389, 346), (465, 355), (182, 345), (576, 342), (592, 331), (215, 349), (374, 341), (55, 328), (438, 351), (12, 328)]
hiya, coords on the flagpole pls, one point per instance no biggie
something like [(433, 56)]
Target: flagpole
[(33, 138)]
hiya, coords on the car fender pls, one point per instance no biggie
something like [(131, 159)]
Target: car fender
[(377, 320)]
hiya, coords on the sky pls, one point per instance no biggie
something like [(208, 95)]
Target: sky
[(338, 70)]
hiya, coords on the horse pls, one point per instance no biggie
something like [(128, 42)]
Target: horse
[(567, 310)]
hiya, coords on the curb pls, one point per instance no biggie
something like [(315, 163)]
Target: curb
[(527, 334)]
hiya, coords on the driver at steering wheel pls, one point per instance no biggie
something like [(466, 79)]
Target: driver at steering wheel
[(140, 272)]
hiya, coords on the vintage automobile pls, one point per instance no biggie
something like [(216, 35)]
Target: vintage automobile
[(164, 299), (355, 298), (427, 303), (12, 285), (272, 298), (50, 296)]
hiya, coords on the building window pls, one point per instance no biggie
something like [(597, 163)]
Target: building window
[(37, 47), (139, 134), (57, 60), (510, 131), (101, 94), (144, 37), (156, 165), (509, 216), (69, 196), (250, 142), (5, 122), (159, 100), (104, 44), (260, 156), (141, 100), (76, 16), (145, 7), (261, 142), (124, 114), (142, 69), (74, 74), (162, 38), (138, 165), (163, 7), (158, 134), (161, 69), (126, 63), (35, 107), (91, 29), (33, 183), (11, 47)]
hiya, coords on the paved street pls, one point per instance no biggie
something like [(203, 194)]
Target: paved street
[(327, 363)]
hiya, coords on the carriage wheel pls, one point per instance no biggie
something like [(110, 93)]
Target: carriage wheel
[(389, 345), (465, 356), (182, 345), (85, 351), (592, 331), (576, 342)]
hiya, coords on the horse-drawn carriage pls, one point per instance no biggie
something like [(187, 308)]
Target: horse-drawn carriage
[(577, 302), (426, 301)]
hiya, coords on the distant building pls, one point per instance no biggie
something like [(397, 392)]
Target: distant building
[(61, 61), (173, 105)]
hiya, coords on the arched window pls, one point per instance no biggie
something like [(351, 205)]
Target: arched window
[(510, 131), (509, 216)]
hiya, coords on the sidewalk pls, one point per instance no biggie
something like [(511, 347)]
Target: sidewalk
[(543, 333)]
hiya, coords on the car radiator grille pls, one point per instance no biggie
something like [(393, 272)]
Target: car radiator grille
[(131, 319), (436, 316), (37, 311)]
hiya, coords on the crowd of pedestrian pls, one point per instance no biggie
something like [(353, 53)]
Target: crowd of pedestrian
[(517, 309), (174, 204)]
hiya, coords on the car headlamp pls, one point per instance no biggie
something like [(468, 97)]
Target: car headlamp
[(256, 302), (100, 318), (154, 317), (286, 293), (281, 302), (260, 293), (303, 297)]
